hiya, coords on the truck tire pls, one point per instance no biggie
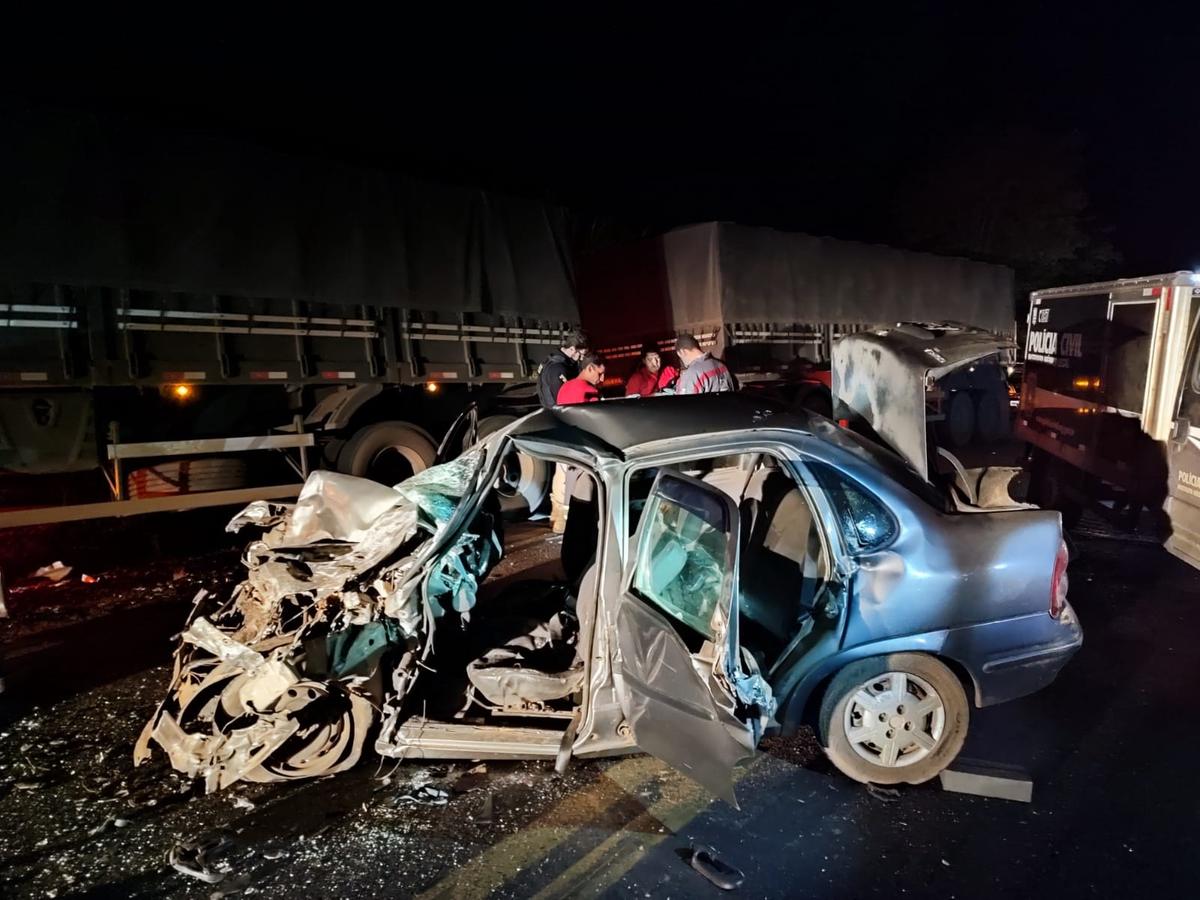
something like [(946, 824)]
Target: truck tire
[(991, 417), (960, 419), (387, 452), (1048, 489), (524, 481)]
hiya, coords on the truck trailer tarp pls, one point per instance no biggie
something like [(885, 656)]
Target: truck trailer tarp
[(717, 274), (89, 200)]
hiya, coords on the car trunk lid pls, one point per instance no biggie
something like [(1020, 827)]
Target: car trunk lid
[(880, 379)]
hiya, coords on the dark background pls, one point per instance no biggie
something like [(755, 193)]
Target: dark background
[(1056, 140)]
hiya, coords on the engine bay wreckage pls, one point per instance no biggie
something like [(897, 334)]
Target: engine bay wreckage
[(360, 619), (284, 680)]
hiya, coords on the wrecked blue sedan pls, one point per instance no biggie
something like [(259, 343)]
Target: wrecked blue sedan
[(729, 569)]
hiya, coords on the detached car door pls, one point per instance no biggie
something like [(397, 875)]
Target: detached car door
[(689, 697)]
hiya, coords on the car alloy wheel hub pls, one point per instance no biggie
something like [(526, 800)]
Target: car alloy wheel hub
[(894, 719)]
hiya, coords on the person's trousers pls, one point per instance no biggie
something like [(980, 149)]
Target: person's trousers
[(558, 499)]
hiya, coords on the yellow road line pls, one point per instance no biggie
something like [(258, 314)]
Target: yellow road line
[(612, 802), (681, 801)]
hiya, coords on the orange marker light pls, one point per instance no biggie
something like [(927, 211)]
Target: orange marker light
[(432, 387), (181, 391)]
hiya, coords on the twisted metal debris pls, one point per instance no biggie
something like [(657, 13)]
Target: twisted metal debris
[(286, 678)]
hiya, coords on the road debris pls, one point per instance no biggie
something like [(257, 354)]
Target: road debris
[(885, 794), (56, 571), (110, 822), (486, 809), (192, 859), (988, 779), (705, 860), (426, 795)]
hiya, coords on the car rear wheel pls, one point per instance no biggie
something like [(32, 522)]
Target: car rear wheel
[(894, 719)]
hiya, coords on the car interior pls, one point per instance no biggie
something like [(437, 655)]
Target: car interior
[(783, 560), (513, 659)]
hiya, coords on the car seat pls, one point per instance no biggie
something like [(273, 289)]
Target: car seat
[(782, 555)]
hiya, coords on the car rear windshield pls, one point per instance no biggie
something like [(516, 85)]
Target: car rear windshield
[(894, 466)]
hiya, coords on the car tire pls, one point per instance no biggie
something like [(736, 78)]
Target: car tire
[(387, 452), (943, 727)]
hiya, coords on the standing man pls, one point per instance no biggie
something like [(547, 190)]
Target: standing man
[(702, 373), (585, 387), (560, 367)]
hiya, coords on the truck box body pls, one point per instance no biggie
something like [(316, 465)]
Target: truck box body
[(762, 297), (1105, 400)]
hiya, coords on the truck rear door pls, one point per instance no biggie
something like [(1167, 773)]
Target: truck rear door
[(1183, 462)]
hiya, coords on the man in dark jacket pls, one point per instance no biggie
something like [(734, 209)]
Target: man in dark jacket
[(560, 367)]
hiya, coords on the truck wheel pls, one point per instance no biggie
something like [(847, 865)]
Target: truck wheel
[(524, 481), (387, 452), (991, 417), (1048, 490), (893, 719), (960, 419)]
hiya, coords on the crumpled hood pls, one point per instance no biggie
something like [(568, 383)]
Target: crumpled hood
[(277, 682), (880, 378)]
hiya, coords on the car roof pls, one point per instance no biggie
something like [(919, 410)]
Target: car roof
[(621, 424)]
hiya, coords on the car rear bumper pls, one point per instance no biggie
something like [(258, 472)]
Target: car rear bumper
[(1008, 674)]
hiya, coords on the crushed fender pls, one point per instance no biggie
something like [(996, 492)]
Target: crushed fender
[(285, 679)]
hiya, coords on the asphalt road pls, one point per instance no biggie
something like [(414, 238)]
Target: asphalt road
[(1115, 809)]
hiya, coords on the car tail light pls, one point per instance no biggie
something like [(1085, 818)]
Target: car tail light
[(1058, 584)]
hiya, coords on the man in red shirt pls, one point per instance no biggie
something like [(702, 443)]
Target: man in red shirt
[(651, 377), (584, 388)]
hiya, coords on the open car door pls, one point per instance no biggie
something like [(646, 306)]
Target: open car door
[(689, 696)]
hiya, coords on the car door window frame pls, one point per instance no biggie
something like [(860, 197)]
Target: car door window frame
[(853, 543), (789, 458), (728, 562)]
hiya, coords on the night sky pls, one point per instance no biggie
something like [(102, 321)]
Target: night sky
[(986, 133)]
